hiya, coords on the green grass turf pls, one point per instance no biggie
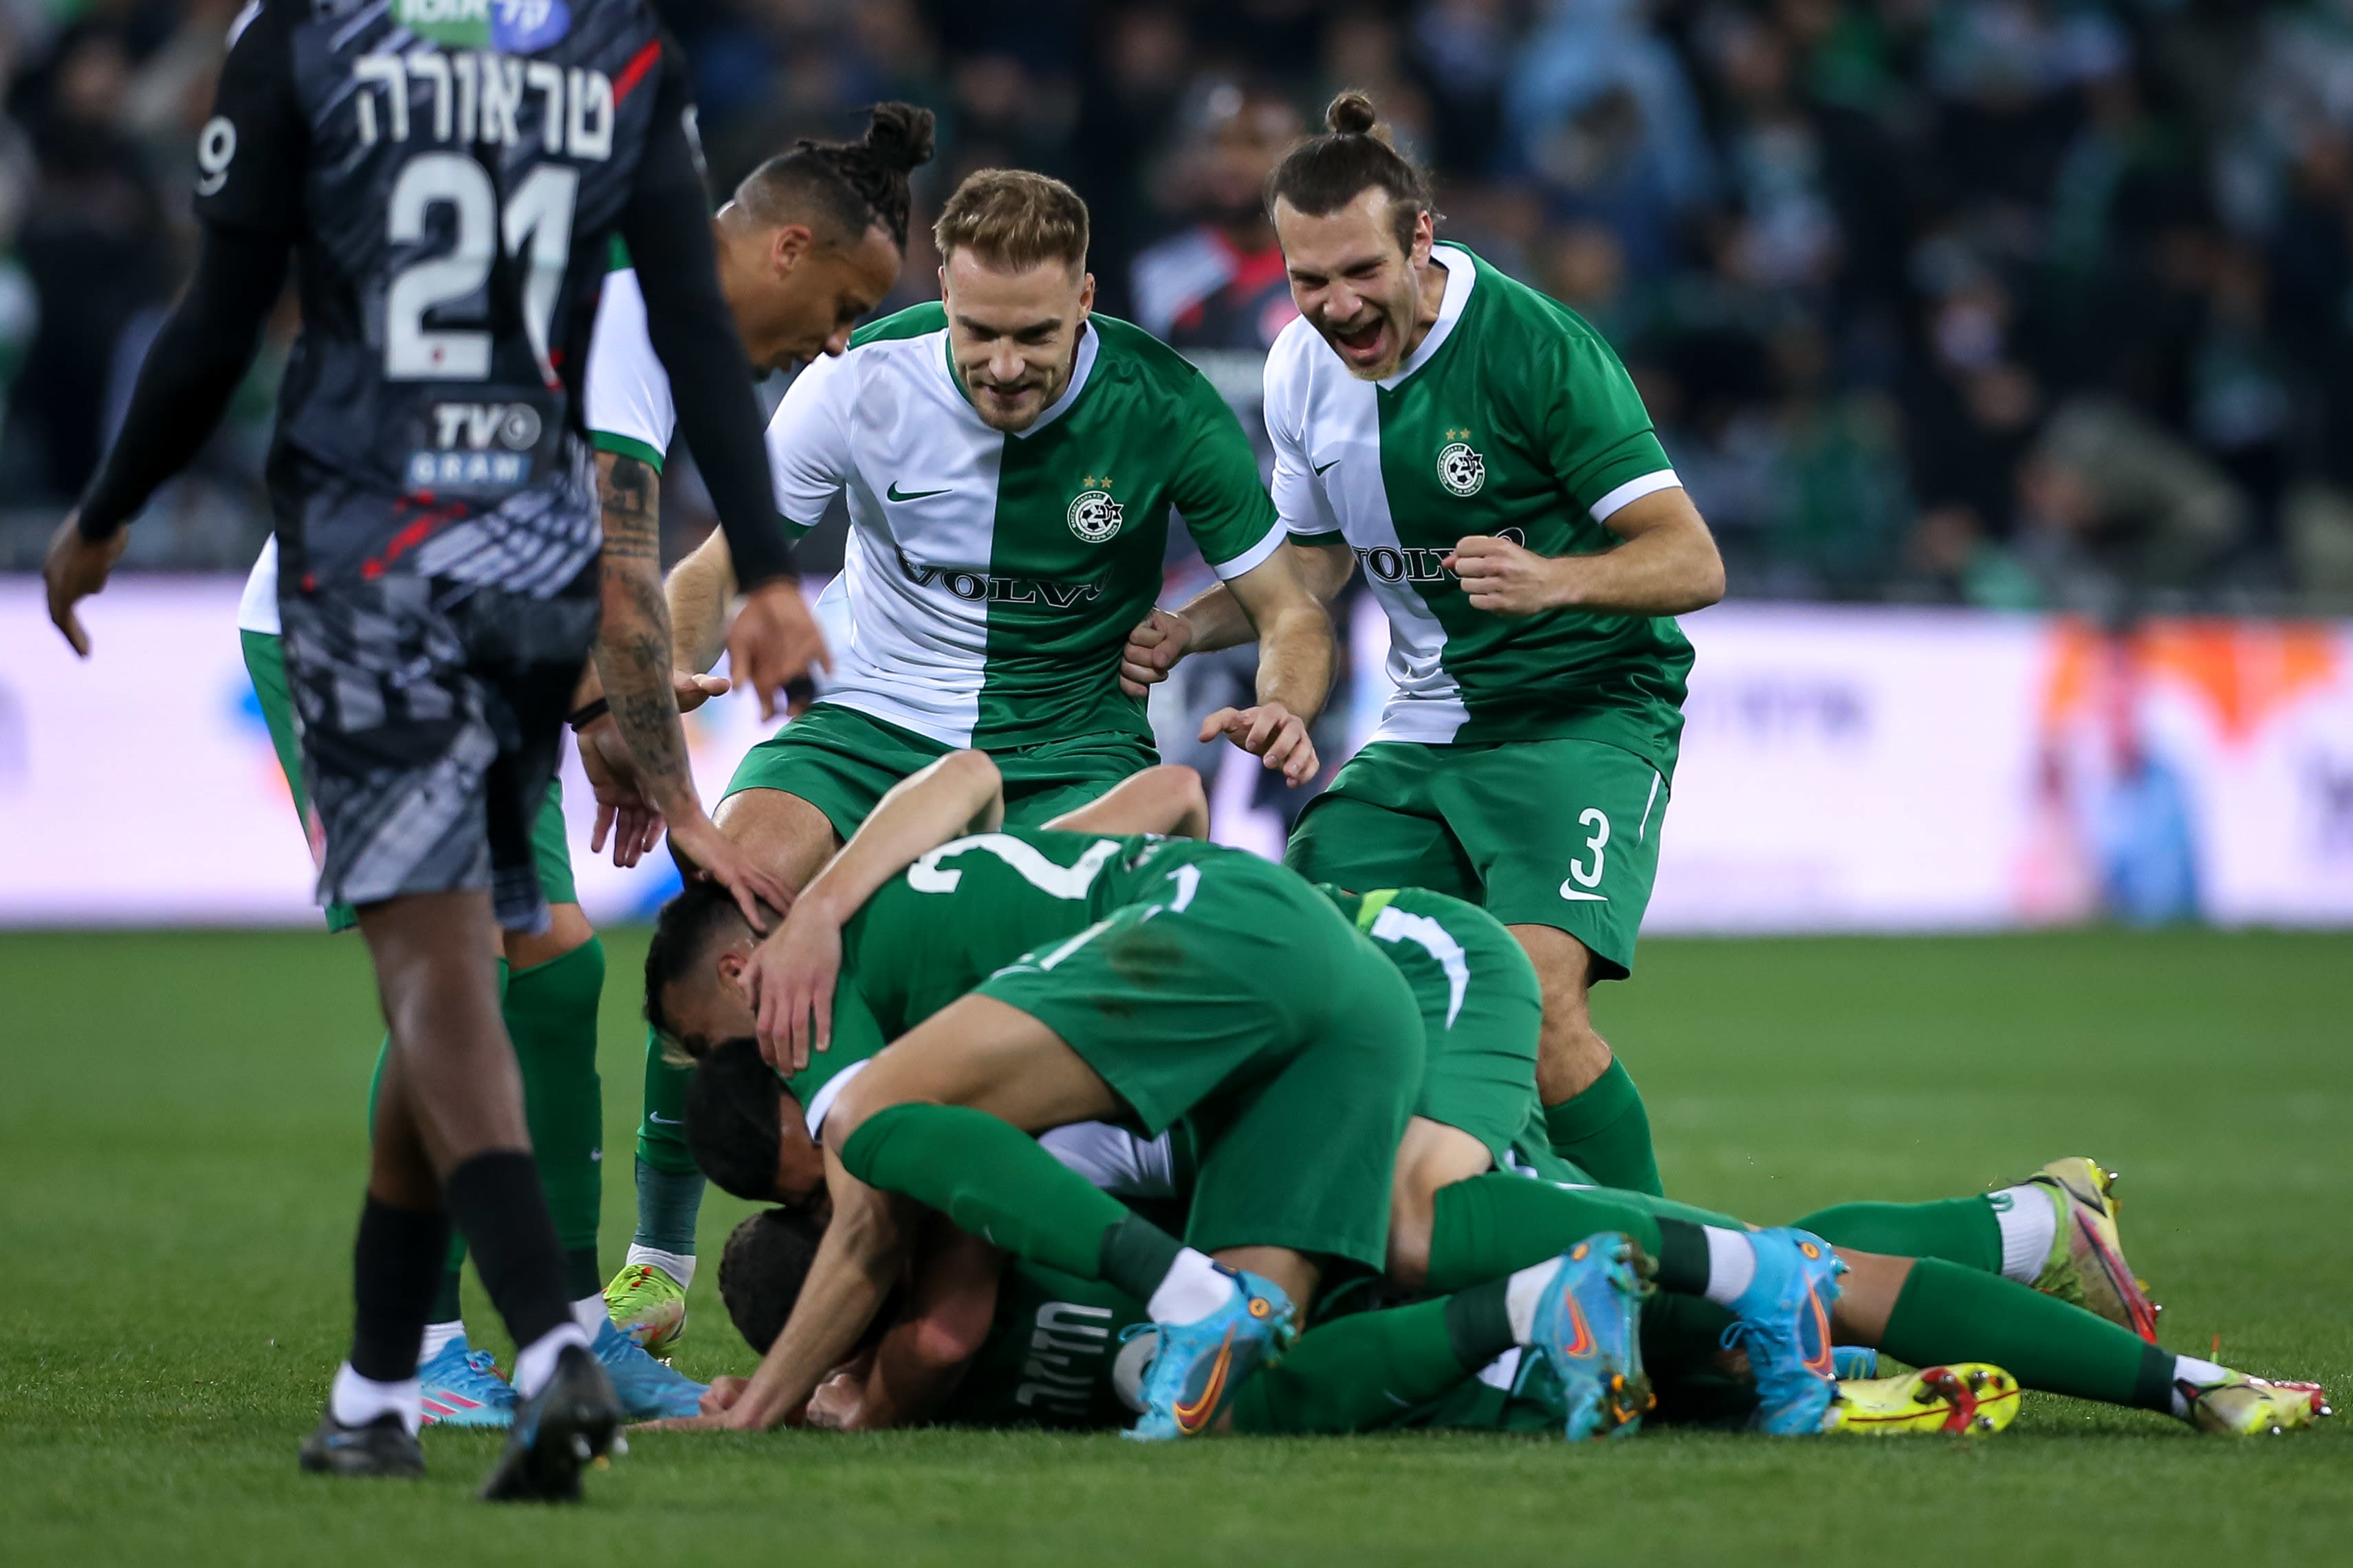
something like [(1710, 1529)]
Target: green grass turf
[(180, 1151)]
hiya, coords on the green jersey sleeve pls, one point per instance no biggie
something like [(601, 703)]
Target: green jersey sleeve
[(1595, 428), (1217, 490)]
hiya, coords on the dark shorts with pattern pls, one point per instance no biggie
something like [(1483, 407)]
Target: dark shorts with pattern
[(431, 719)]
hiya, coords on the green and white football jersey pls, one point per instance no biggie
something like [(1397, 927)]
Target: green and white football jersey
[(1512, 418), (992, 578)]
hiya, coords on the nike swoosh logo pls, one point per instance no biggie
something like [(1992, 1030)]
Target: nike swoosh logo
[(659, 1119), (1582, 1346), (1191, 1418), (1823, 1362), (1321, 466), (1569, 891), (895, 493)]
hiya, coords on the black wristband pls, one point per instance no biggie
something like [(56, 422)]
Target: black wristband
[(588, 713)]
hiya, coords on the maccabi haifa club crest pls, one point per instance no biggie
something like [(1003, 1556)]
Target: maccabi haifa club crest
[(1094, 516), (1461, 470)]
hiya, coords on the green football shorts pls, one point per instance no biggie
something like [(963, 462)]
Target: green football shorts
[(264, 662), (1480, 1010), (1246, 1002), (841, 761), (1552, 833)]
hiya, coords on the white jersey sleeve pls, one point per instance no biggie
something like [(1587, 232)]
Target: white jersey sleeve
[(257, 610), (626, 401), (809, 441), (1299, 500)]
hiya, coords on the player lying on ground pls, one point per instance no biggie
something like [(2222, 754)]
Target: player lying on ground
[(1477, 1071), (984, 1339), (1010, 462), (438, 599), (807, 235), (1485, 455)]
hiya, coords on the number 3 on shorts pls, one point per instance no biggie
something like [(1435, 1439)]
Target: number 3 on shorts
[(1581, 875)]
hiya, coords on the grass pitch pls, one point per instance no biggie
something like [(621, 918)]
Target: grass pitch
[(181, 1158)]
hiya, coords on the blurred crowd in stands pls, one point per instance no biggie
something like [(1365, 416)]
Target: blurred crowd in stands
[(2004, 302)]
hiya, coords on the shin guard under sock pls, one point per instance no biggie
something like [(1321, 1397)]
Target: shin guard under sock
[(495, 1201), (550, 1015), (1958, 1230), (993, 1179), (1490, 1226), (1605, 1132), (1358, 1372), (1946, 1312), (396, 1268)]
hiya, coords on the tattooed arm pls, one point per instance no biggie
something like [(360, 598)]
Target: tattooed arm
[(633, 660)]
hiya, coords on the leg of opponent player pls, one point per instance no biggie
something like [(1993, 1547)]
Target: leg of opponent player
[(1557, 840), (550, 983)]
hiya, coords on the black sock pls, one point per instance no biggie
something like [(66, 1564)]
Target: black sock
[(395, 1267), (580, 1268), (1137, 1255), (1478, 1323), (496, 1201), (448, 1306), (1683, 1263)]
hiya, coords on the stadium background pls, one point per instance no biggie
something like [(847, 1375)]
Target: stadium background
[(2007, 344)]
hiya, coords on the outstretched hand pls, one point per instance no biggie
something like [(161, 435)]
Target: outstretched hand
[(701, 850), (774, 640), (1270, 731), (73, 570), (789, 983)]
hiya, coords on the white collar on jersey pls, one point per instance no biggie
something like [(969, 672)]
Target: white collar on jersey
[(1089, 340), (1460, 275)]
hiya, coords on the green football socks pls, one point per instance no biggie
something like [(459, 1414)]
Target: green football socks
[(669, 1185), (1358, 1372), (1946, 1312), (998, 1182), (1489, 1225), (1958, 1230), (551, 1014), (1605, 1132)]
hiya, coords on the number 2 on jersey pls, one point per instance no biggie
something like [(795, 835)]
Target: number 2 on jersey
[(538, 213)]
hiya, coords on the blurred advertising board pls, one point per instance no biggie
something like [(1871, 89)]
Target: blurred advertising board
[(1843, 768)]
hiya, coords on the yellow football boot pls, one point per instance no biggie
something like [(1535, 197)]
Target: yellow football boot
[(1969, 1398), (2237, 1405), (2086, 1266), (649, 1306)]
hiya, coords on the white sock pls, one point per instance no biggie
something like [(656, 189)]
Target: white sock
[(1190, 1291), (535, 1363), (679, 1266), (2186, 1369), (589, 1314), (2030, 1224), (438, 1337), (1731, 1265), (355, 1401), (1521, 1294)]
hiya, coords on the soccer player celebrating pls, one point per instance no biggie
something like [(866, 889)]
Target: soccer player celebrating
[(450, 183), (1484, 453), (1009, 460)]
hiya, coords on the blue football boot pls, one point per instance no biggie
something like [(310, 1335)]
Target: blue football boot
[(648, 1390), (1587, 1328), (460, 1387), (1785, 1326), (1854, 1364), (1197, 1366)]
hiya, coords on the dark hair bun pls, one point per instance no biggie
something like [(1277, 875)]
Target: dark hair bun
[(900, 136), (1352, 114)]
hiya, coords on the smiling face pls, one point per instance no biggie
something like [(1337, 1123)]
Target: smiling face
[(1372, 299), (1014, 336)]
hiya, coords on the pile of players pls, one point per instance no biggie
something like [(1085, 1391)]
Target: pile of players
[(1076, 1116)]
